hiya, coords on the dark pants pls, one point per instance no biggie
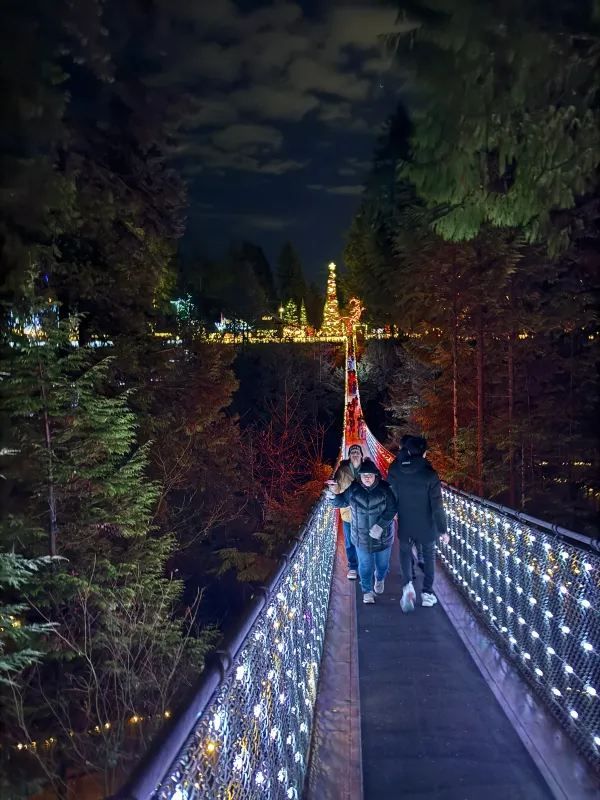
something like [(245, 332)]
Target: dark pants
[(419, 549), (406, 563), (350, 549)]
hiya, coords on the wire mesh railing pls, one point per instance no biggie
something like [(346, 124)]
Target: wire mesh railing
[(539, 595), (246, 732)]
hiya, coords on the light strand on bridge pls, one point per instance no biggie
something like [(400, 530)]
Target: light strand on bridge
[(540, 596), (253, 739)]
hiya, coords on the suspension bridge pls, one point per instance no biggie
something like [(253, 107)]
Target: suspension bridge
[(493, 693)]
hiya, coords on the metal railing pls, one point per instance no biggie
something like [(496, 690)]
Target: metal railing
[(538, 592), (245, 731)]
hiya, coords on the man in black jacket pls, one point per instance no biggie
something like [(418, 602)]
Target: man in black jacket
[(373, 507), (421, 516)]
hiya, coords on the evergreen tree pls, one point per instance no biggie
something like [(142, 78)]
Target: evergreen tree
[(254, 255), (387, 207), (292, 285), (314, 306), (241, 293), (492, 353), (79, 490), (194, 453), (290, 313), (37, 201), (90, 211), (495, 139), (303, 317), (332, 321), (116, 263), (19, 639)]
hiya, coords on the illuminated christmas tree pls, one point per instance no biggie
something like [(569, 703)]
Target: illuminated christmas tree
[(290, 313), (332, 322), (303, 319)]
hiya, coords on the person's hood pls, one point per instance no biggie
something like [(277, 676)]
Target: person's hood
[(407, 463)]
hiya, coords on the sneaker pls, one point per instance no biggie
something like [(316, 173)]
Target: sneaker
[(352, 575), (428, 599), (368, 597), (407, 603), (379, 586)]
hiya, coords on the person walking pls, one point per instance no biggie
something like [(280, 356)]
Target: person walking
[(421, 516), (345, 474), (373, 507)]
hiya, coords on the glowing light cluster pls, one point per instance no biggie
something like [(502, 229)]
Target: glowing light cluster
[(332, 321), (540, 597), (252, 740)]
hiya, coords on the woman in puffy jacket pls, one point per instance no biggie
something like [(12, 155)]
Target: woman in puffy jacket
[(373, 507)]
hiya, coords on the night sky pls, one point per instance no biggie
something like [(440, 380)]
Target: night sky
[(288, 99)]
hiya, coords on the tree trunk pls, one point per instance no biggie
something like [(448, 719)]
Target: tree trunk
[(52, 524), (455, 374), (529, 428), (512, 488), (480, 404), (522, 505)]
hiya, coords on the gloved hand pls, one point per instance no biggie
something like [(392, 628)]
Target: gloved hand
[(329, 494), (376, 532), (444, 538)]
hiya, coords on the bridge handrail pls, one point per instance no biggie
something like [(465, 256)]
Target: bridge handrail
[(539, 596), (168, 769), (521, 516)]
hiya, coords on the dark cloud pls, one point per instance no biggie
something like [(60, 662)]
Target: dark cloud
[(247, 137), (209, 158), (361, 24), (274, 102), (351, 190), (324, 76), (273, 64), (244, 221), (211, 112), (281, 104), (343, 115), (354, 166)]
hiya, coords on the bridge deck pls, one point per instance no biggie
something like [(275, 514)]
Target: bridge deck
[(431, 728)]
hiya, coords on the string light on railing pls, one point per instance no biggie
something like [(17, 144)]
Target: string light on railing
[(538, 593)]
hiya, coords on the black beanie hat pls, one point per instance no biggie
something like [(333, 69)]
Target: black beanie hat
[(368, 468), (355, 447), (415, 445)]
